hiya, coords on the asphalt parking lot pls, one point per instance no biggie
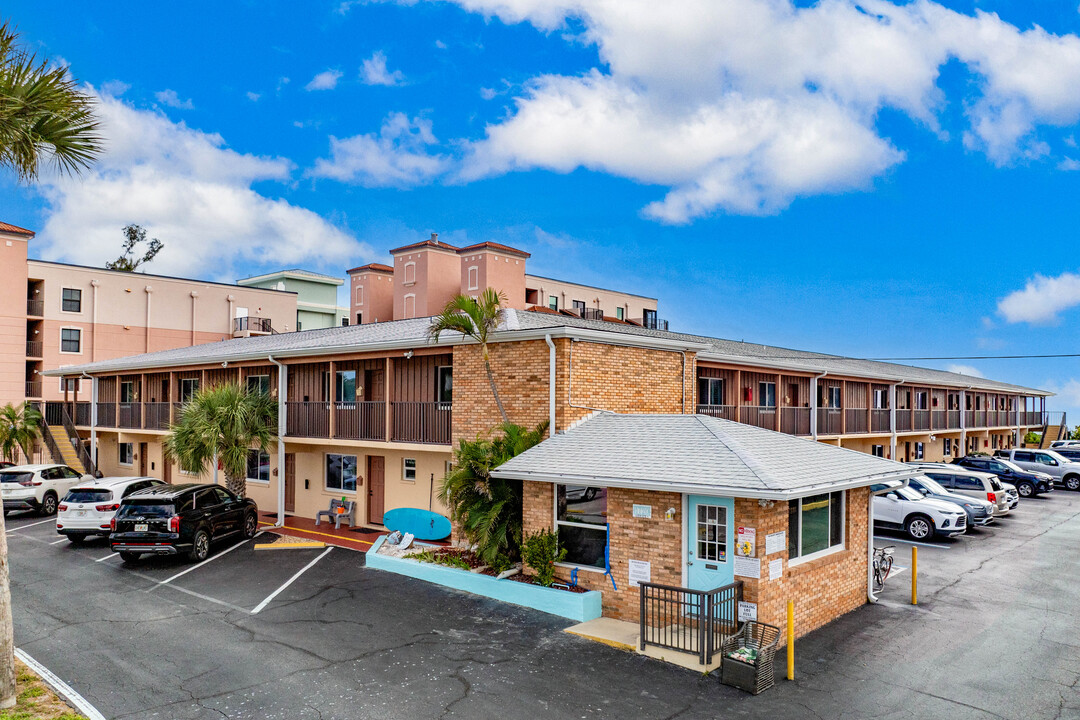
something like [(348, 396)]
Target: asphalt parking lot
[(995, 636)]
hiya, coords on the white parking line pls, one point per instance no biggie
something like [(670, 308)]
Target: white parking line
[(57, 542), (61, 687), (207, 598), (40, 522), (290, 581), (212, 558), (912, 542), (106, 557)]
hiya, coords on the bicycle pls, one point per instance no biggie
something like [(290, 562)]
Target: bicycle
[(883, 562)]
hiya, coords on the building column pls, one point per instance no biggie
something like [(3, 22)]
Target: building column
[(388, 384), (813, 406), (332, 400), (963, 420), (892, 421)]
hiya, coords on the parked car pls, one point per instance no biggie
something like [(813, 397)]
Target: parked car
[(174, 519), (4, 464), (88, 509), (1072, 453), (979, 511), (1065, 472), (1028, 484), (902, 508), (1065, 444), (37, 487), (971, 483)]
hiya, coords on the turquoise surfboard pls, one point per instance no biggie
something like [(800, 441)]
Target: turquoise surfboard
[(423, 524)]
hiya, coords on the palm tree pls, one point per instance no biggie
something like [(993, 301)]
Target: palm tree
[(44, 117), (222, 424), (489, 509), (20, 427), (475, 318)]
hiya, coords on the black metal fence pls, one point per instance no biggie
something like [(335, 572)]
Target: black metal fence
[(696, 622)]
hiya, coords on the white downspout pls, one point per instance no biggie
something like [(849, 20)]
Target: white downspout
[(93, 323), (551, 385), (814, 403), (282, 384), (963, 419), (870, 596), (892, 421), (93, 418)]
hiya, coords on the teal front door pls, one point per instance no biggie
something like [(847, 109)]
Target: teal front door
[(712, 542)]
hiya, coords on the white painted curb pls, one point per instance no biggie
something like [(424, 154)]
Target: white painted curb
[(77, 700)]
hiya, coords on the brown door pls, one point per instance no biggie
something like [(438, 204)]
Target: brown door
[(142, 459), (290, 482), (376, 467), (166, 471)]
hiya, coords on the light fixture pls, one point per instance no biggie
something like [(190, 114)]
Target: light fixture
[(765, 503), (670, 514), (408, 354)]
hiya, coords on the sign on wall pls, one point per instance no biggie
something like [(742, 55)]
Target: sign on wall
[(776, 569), (643, 511), (747, 567), (747, 611), (745, 541), (640, 572), (775, 542)]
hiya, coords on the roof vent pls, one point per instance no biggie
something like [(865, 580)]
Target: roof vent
[(434, 237)]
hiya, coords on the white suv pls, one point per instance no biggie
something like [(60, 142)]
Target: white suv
[(88, 508), (37, 487), (903, 508)]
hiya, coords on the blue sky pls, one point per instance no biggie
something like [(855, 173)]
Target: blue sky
[(888, 179)]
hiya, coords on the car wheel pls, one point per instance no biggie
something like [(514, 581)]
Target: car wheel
[(1072, 482), (1025, 489), (48, 504), (129, 557), (76, 539), (919, 527), (251, 526), (589, 494), (200, 546)]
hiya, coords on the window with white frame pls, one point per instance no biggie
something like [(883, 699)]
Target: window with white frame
[(881, 399), (581, 523), (258, 466), (920, 400), (71, 300), (188, 388), (258, 384), (127, 453), (474, 278), (878, 451), (340, 472), (710, 391), (553, 302), (70, 340), (127, 392), (444, 384), (410, 272), (833, 397), (919, 451), (947, 449), (345, 322), (767, 394), (815, 525), (619, 313), (345, 386), (70, 384), (408, 469)]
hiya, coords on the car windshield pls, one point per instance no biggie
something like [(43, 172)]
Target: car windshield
[(932, 486), (1007, 463), (16, 477), (908, 493), (147, 509), (87, 495), (996, 484)]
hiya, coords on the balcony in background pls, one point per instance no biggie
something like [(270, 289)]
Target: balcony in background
[(35, 307), (421, 422), (248, 326), (33, 348), (724, 412)]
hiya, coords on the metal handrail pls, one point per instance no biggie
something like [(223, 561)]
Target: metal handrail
[(686, 620), (73, 436)]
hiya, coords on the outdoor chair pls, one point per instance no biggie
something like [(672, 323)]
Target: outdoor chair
[(333, 514), (754, 647)]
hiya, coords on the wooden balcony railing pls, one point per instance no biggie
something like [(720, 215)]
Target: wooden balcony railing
[(903, 420), (363, 420), (921, 420), (880, 420), (724, 412), (761, 416), (829, 421), (421, 422), (795, 421), (307, 419), (106, 414), (82, 413), (156, 415), (857, 420), (130, 415)]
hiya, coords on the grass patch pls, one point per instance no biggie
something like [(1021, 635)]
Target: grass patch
[(35, 700)]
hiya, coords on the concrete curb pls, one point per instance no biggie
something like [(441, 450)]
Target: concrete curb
[(73, 698), (290, 546)]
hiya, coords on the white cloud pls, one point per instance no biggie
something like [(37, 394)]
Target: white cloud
[(1068, 393), (170, 98), (373, 71), (326, 80), (253, 96), (116, 88), (744, 105), (1041, 299), (398, 156), (965, 370), (1069, 165), (189, 189), (488, 93)]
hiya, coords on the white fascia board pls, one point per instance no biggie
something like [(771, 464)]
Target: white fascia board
[(900, 477)]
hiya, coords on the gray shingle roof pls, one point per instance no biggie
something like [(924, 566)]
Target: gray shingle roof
[(412, 333), (696, 453)]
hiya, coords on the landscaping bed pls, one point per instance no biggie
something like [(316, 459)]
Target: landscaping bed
[(466, 559), (35, 700)]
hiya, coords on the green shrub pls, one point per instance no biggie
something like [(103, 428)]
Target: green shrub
[(541, 551)]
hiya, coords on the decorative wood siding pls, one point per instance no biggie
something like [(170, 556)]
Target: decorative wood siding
[(221, 376), (824, 391), (156, 388), (307, 383), (884, 390), (794, 391), (857, 395), (107, 391), (731, 393), (414, 378), (751, 388), (939, 399)]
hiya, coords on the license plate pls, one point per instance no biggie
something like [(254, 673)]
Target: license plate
[(141, 527), (80, 513)]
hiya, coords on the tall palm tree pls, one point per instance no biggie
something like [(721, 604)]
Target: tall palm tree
[(20, 427), (475, 319), (222, 424), (44, 119)]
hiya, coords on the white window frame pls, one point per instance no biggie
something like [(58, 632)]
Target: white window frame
[(405, 469), (325, 474), (763, 394), (269, 470), (410, 269), (829, 550), (71, 352), (474, 278), (556, 523), (77, 387), (120, 454), (881, 399), (920, 450), (249, 378), (71, 312), (922, 400), (710, 381), (874, 450), (180, 388), (556, 299), (439, 370), (359, 294), (620, 314), (834, 397)]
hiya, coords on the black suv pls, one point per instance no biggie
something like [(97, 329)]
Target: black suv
[(173, 519), (1028, 484)]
